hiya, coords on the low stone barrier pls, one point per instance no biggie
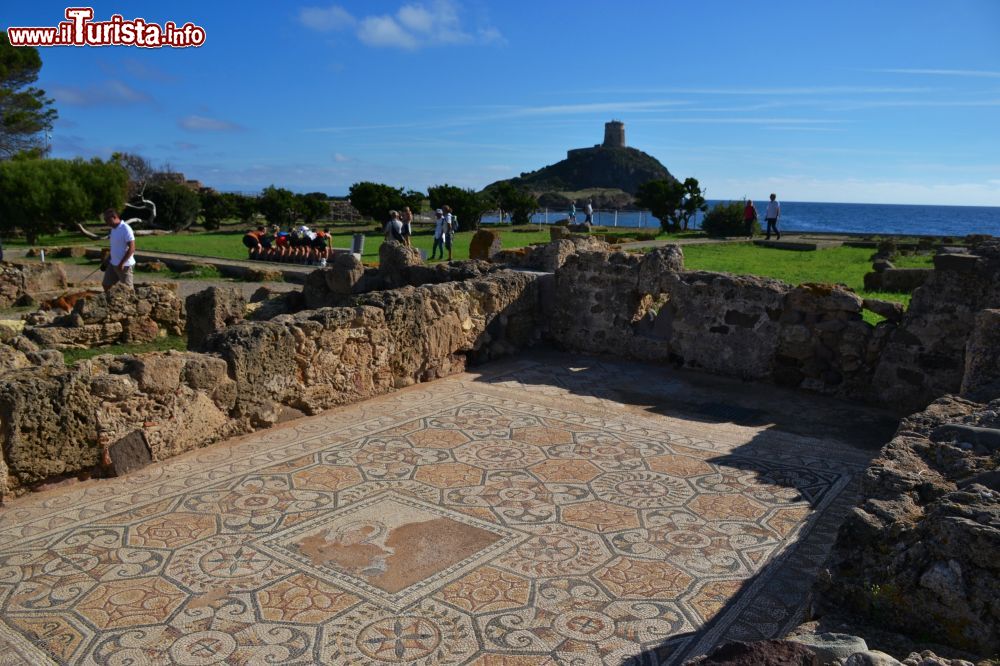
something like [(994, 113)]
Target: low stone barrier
[(59, 421), (121, 315)]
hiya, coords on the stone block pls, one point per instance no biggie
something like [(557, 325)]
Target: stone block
[(484, 244), (212, 310), (130, 453), (962, 263), (888, 309), (344, 273), (157, 373), (981, 379)]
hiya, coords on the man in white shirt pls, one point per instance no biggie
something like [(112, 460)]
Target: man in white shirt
[(121, 259), (772, 215), (438, 235)]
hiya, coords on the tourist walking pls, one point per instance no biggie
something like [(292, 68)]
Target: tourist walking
[(572, 213), (394, 227), (449, 229), (122, 256), (589, 212), (407, 219), (771, 216), (749, 217), (438, 234)]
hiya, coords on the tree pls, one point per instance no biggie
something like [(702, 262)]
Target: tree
[(177, 205), (41, 196), (520, 203), (726, 219), (312, 206), (375, 200), (278, 205), (693, 200), (663, 198), (468, 205), (26, 114), (215, 207)]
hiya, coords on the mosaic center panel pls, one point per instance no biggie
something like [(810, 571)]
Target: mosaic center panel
[(391, 548)]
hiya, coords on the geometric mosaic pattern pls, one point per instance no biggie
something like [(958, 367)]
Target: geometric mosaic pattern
[(478, 519)]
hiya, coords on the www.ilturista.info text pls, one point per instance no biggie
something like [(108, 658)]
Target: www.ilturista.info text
[(81, 30)]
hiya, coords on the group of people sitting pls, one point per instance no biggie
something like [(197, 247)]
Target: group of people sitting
[(298, 246)]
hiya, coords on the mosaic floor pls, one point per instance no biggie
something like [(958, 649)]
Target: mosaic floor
[(524, 516)]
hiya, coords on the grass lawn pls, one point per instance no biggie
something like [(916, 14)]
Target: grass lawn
[(840, 265), (177, 342)]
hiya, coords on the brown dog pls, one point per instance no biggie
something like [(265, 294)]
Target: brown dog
[(66, 302)]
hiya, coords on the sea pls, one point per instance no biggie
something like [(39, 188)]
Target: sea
[(817, 217)]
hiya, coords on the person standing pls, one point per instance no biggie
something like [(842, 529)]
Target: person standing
[(121, 259), (449, 229), (394, 227), (438, 234), (572, 213), (772, 215), (589, 212), (749, 217), (407, 219)]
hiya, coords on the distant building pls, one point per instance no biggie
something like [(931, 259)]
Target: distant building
[(614, 134), (614, 137)]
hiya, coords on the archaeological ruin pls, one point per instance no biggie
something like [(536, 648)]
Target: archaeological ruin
[(562, 452)]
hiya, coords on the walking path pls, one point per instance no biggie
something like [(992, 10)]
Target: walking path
[(546, 510)]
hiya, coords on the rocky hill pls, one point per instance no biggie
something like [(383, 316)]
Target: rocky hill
[(598, 167)]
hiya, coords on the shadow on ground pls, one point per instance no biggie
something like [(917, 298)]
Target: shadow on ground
[(775, 599)]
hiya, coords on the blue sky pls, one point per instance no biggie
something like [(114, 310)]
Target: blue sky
[(893, 101)]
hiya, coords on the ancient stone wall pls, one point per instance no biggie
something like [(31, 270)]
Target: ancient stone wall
[(58, 421), (811, 337), (121, 315), (32, 281), (924, 358), (919, 555)]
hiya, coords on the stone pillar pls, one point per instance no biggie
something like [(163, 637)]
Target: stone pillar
[(212, 310), (981, 380)]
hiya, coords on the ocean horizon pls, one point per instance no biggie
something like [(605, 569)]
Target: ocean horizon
[(811, 216)]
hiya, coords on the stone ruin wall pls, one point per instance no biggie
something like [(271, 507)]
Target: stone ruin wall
[(810, 337), (58, 421)]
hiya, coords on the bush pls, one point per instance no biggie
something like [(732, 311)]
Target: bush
[(644, 236), (726, 219)]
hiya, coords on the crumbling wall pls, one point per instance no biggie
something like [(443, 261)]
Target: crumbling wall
[(924, 358), (66, 421), (122, 315), (29, 281), (919, 554)]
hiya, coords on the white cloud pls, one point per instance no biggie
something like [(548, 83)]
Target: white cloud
[(339, 157), (412, 26), (975, 73), (107, 93), (196, 123), (325, 19)]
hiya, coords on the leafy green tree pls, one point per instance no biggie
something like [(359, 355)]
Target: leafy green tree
[(42, 196), (375, 200), (663, 198), (726, 219), (244, 207), (520, 203), (468, 205), (312, 206), (26, 114), (692, 201), (215, 207), (278, 205), (177, 205)]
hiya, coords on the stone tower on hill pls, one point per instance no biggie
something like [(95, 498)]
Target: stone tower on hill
[(614, 134), (611, 165)]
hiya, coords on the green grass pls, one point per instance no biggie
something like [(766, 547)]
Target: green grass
[(167, 343), (841, 265)]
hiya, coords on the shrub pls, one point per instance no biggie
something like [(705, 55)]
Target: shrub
[(726, 219)]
